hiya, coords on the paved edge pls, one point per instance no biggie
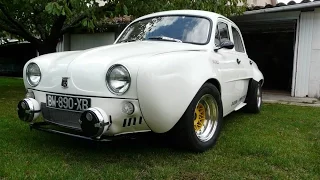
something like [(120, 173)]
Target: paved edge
[(291, 103)]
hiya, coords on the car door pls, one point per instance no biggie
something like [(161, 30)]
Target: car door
[(244, 70), (228, 68)]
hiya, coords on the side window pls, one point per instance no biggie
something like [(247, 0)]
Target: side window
[(238, 44), (222, 33)]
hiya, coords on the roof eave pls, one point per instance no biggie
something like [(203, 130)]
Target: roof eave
[(304, 6)]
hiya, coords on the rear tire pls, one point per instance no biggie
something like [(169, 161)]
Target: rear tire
[(254, 97), (199, 127)]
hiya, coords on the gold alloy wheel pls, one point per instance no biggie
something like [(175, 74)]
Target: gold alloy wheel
[(199, 117), (206, 118)]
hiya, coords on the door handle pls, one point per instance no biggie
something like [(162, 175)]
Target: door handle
[(238, 61)]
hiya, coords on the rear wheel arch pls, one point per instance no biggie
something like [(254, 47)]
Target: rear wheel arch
[(261, 82)]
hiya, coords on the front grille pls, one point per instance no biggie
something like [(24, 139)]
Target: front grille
[(64, 118)]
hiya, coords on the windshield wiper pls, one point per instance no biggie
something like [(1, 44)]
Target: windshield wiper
[(165, 38), (128, 40)]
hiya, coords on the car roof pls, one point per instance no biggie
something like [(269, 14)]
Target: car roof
[(207, 14)]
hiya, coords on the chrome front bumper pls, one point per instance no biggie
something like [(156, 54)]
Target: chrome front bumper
[(61, 130), (118, 123)]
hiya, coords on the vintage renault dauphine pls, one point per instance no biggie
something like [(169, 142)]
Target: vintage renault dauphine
[(177, 72)]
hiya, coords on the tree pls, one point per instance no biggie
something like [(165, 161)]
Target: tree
[(224, 7), (43, 22)]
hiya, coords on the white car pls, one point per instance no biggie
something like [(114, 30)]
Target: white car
[(177, 72)]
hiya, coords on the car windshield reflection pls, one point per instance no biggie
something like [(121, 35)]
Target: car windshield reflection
[(186, 29)]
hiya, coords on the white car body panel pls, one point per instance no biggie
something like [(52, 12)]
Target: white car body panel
[(172, 84), (85, 68), (165, 77)]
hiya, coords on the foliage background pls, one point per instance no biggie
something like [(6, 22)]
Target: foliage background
[(43, 22)]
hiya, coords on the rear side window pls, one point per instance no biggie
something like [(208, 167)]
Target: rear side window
[(238, 44), (222, 33)]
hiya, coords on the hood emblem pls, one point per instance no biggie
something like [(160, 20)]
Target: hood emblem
[(64, 82)]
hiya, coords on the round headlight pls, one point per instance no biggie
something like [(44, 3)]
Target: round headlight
[(118, 79), (33, 74)]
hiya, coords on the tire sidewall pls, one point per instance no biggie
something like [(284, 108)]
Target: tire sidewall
[(260, 89), (252, 97)]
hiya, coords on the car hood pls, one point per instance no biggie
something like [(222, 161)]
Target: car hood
[(116, 52), (87, 69)]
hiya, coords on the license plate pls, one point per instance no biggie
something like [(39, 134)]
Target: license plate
[(68, 102)]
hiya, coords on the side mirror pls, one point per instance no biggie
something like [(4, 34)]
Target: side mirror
[(225, 44)]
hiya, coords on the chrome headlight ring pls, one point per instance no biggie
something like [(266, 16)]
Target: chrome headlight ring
[(118, 79), (33, 74)]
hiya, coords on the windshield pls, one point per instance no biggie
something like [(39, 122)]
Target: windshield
[(186, 29)]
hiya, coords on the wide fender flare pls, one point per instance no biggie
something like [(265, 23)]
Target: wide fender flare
[(257, 74), (166, 87)]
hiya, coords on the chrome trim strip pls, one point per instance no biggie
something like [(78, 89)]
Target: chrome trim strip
[(65, 133), (129, 135)]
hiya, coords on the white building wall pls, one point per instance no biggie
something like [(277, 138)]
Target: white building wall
[(258, 2), (73, 42), (60, 47), (86, 41), (303, 57), (314, 75), (307, 63)]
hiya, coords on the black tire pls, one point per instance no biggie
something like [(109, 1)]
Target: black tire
[(254, 97), (185, 132)]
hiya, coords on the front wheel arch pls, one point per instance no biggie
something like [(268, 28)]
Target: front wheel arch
[(214, 82), (183, 132), (169, 86), (211, 81)]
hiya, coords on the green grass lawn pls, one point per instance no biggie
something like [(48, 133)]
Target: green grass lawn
[(282, 142)]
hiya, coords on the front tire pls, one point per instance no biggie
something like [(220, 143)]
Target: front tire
[(200, 125)]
